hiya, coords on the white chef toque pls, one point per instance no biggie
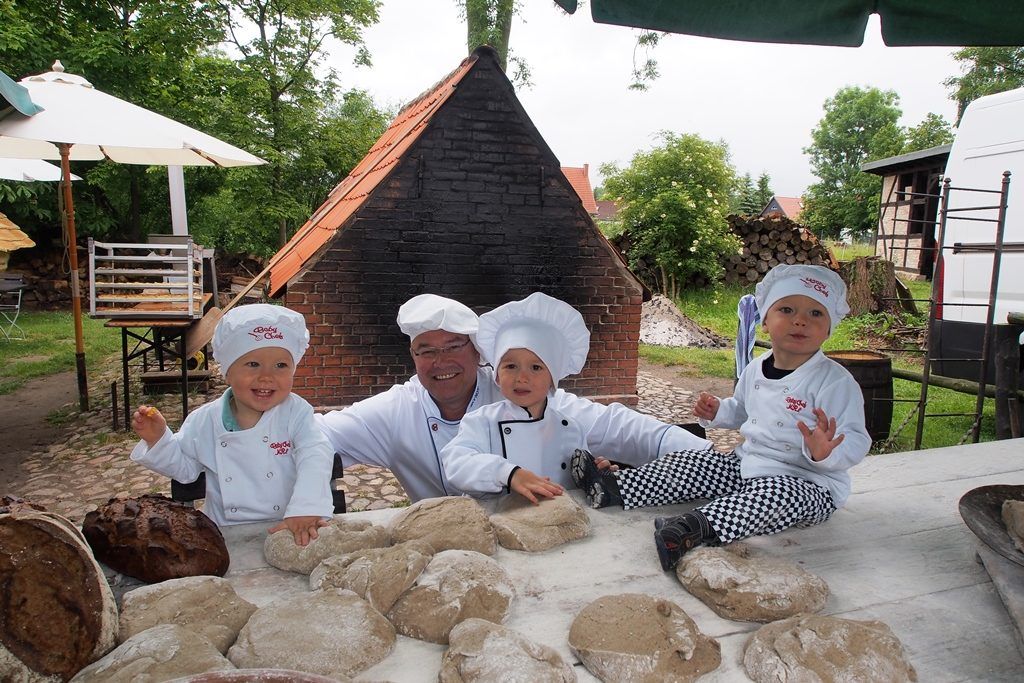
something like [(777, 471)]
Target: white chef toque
[(257, 326), (429, 312), (817, 282), (548, 327)]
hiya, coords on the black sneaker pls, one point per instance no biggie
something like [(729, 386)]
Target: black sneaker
[(673, 538), (599, 486)]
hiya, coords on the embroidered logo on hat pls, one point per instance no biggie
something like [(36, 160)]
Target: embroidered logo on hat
[(816, 285), (265, 332)]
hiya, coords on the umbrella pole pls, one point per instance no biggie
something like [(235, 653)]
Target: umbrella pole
[(76, 294)]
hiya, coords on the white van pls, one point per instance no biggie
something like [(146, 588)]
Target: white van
[(989, 141)]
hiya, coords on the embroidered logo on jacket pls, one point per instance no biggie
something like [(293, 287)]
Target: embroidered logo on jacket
[(795, 404), (816, 285), (281, 447), (265, 332)]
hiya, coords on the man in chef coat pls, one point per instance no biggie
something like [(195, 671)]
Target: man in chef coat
[(405, 428)]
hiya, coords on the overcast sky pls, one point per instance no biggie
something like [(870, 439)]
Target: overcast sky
[(763, 100)]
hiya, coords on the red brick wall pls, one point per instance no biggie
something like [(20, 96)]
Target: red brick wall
[(477, 211)]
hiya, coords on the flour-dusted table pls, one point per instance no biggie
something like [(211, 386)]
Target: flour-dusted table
[(898, 552)]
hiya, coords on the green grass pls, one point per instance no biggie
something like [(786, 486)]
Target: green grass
[(717, 311), (848, 252), (49, 347)]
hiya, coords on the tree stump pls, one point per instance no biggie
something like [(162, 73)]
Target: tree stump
[(872, 287)]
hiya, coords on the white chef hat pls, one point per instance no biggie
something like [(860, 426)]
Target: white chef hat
[(257, 326), (817, 282), (429, 312), (549, 327)]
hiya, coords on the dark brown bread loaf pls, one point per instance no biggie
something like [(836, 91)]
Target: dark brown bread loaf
[(57, 613), (154, 538)]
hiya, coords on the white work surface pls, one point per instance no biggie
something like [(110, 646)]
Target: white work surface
[(898, 552)]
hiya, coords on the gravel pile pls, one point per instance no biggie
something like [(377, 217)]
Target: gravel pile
[(663, 324)]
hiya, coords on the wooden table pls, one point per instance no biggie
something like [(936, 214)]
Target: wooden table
[(898, 552)]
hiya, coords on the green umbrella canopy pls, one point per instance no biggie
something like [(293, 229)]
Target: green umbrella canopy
[(822, 22), (17, 96)]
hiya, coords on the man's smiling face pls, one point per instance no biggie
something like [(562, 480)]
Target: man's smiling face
[(446, 365)]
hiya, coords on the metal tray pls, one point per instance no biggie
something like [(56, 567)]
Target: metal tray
[(982, 511)]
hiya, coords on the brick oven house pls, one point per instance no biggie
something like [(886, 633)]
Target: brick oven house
[(908, 208), (461, 197)]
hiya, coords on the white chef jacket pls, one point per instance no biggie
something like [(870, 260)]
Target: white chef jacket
[(767, 411), (279, 468), (495, 439), (402, 430)]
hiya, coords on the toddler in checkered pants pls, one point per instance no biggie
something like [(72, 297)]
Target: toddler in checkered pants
[(801, 415)]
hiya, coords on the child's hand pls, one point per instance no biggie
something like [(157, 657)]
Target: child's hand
[(526, 484), (149, 424), (605, 464), (821, 440), (707, 406), (303, 528)]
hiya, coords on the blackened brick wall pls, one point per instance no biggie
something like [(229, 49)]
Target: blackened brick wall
[(476, 210)]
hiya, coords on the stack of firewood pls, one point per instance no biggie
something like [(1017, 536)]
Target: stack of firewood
[(47, 284), (767, 242)]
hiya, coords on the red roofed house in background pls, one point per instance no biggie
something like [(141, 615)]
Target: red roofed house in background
[(790, 207), (579, 178), (460, 197)]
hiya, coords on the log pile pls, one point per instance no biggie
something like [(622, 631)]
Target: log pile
[(47, 283), (769, 241)]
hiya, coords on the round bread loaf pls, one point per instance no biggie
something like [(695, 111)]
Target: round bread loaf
[(57, 613), (153, 538)]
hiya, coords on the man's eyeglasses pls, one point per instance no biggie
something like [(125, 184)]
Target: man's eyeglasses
[(432, 353)]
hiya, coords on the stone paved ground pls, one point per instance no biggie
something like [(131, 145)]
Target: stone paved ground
[(92, 465)]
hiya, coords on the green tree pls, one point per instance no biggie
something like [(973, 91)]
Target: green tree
[(489, 22), (764, 191), (986, 70), (744, 200), (672, 202), (933, 131), (860, 124)]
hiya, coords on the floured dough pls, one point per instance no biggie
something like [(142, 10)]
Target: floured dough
[(521, 525), (446, 524), (154, 655), (1013, 518), (60, 613), (480, 651), (342, 535), (331, 632), (813, 647), (631, 638), (378, 575), (740, 583), (456, 585), (207, 605)]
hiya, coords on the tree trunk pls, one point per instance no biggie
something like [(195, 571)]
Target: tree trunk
[(871, 286)]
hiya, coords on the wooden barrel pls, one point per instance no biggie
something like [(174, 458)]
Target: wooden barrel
[(873, 372)]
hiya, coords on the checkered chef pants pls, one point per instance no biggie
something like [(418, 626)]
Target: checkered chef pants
[(739, 507)]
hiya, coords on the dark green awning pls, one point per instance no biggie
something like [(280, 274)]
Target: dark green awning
[(822, 22)]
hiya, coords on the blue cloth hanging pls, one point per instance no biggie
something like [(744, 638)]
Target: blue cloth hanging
[(749, 317)]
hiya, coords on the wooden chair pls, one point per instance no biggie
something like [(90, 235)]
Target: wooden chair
[(196, 490)]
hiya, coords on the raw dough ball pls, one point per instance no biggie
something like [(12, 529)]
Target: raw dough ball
[(813, 647), (260, 676), (154, 655), (207, 605), (456, 585), (739, 583), (1013, 518), (520, 525), (343, 535), (634, 637), (59, 613), (331, 632), (481, 651), (154, 538), (378, 575), (446, 524)]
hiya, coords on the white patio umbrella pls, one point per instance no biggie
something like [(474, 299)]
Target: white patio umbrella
[(81, 123), (30, 170)]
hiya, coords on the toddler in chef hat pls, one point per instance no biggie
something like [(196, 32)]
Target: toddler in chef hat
[(801, 415), (522, 443), (263, 454)]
